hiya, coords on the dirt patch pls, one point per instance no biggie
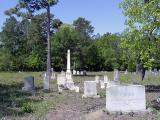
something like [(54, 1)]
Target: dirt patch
[(77, 108)]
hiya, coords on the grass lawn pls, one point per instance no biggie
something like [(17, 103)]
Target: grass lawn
[(14, 102)]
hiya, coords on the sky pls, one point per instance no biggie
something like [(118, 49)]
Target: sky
[(104, 15)]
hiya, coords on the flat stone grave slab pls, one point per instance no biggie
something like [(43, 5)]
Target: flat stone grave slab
[(125, 98)]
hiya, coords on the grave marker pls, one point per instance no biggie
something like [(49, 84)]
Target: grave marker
[(125, 98)]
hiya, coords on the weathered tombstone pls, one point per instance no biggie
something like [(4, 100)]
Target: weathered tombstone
[(106, 79), (28, 84), (155, 71), (53, 76), (63, 83), (147, 74), (90, 89), (150, 70), (102, 84), (77, 72), (84, 72), (74, 72), (125, 98), (126, 72), (116, 75), (97, 79), (81, 73), (46, 81), (61, 79)]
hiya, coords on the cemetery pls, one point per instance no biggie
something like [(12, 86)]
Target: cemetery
[(56, 67), (100, 95)]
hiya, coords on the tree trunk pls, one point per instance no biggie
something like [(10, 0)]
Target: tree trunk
[(48, 43)]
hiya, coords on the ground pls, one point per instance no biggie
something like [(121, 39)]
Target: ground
[(68, 105)]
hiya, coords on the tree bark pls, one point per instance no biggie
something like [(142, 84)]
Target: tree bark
[(48, 43)]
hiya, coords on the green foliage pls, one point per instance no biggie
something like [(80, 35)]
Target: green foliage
[(27, 108), (25, 44), (65, 38), (141, 39), (109, 51), (30, 6), (102, 93), (84, 30)]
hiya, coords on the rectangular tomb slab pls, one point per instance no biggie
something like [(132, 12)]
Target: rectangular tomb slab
[(90, 89), (125, 98)]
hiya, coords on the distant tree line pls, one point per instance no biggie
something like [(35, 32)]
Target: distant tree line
[(23, 43)]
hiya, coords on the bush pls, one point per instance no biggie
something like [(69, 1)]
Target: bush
[(27, 108), (102, 93)]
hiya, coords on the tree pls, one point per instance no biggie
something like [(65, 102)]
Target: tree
[(144, 30), (31, 7), (109, 51), (10, 41), (84, 30), (64, 38), (36, 43)]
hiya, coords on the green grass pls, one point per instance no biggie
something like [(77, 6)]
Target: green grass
[(16, 103)]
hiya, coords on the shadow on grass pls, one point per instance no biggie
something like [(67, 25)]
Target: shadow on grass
[(152, 88), (12, 100)]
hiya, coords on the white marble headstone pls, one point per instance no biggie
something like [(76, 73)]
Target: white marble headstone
[(90, 89), (106, 79), (74, 72), (125, 98), (97, 79)]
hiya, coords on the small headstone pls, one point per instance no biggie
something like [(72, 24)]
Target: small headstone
[(74, 72), (28, 84), (81, 72), (125, 98), (53, 75), (76, 89), (106, 79), (90, 89), (116, 75), (102, 84), (46, 79), (84, 72), (77, 72), (126, 72), (97, 79), (155, 71)]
